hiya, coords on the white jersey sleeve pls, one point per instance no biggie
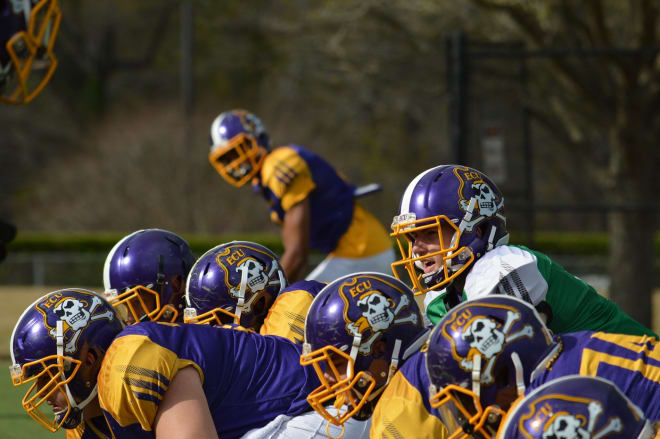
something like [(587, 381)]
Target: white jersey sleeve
[(507, 270), (310, 425)]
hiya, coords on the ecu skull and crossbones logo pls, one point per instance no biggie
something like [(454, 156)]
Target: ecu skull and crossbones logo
[(488, 338), (564, 425), (77, 314), (256, 280), (486, 202), (378, 314)]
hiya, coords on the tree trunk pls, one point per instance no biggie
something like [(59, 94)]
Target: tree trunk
[(632, 224), (631, 263)]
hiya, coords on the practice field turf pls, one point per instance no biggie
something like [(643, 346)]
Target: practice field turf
[(14, 422)]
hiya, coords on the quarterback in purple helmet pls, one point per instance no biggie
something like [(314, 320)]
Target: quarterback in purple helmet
[(312, 202), (451, 232), (102, 379), (27, 34)]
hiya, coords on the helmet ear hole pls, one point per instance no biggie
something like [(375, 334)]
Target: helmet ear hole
[(178, 284), (91, 358), (260, 308)]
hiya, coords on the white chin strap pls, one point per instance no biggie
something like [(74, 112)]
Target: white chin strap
[(241, 295), (27, 9), (453, 266), (476, 375), (280, 275), (520, 382), (59, 339), (357, 341), (647, 432), (394, 364)]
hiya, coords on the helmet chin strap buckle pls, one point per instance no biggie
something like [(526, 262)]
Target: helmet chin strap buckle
[(394, 364)]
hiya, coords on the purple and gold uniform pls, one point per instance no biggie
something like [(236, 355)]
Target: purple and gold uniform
[(338, 224), (630, 362), (403, 410), (248, 379), (95, 428), (286, 316)]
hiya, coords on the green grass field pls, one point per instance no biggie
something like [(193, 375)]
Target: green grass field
[(14, 422)]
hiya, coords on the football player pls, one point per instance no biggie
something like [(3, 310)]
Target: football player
[(359, 331), (487, 352), (576, 407), (144, 275), (451, 232), (242, 282), (27, 34), (150, 379), (312, 202)]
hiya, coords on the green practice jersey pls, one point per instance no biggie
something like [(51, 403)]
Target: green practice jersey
[(534, 277)]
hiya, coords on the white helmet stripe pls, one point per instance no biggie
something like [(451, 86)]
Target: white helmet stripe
[(216, 136), (106, 264), (407, 195)]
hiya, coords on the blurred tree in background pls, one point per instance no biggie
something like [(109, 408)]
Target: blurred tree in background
[(360, 82), (602, 100)]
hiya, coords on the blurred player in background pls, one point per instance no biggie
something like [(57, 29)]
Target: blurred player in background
[(576, 407), (150, 379), (27, 34), (487, 352), (242, 282), (145, 273), (451, 232), (312, 202), (359, 331)]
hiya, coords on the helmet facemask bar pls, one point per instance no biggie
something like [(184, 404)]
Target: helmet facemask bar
[(31, 51), (140, 304), (453, 260), (239, 160), (461, 412), (344, 390), (49, 379), (217, 316)]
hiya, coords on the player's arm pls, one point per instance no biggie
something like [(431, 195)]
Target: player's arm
[(184, 411), (295, 237)]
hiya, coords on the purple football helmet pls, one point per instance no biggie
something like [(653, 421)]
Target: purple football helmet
[(239, 144), (145, 274), (460, 204), (357, 330), (479, 359), (27, 34), (49, 348), (576, 407), (235, 282)]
